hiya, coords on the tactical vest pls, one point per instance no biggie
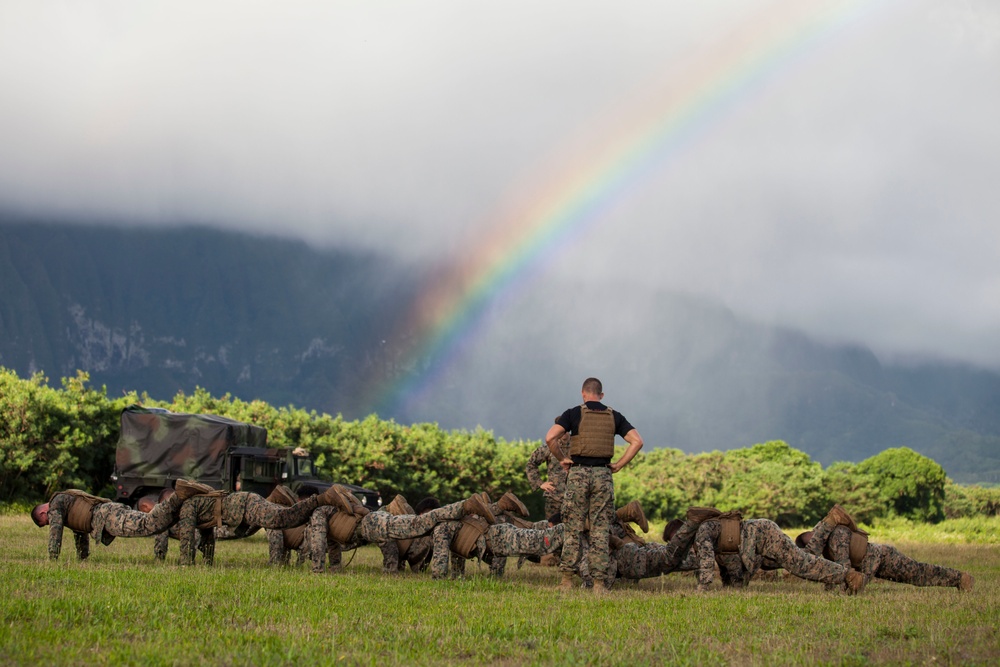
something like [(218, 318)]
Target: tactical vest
[(729, 536), (341, 525), (294, 536), (216, 520), (465, 539), (596, 434), (858, 548), (80, 515)]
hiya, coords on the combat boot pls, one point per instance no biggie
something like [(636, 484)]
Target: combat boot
[(282, 495), (335, 497), (965, 583), (476, 505), (838, 517), (615, 542), (510, 503), (855, 582), (184, 489), (568, 582), (633, 512)]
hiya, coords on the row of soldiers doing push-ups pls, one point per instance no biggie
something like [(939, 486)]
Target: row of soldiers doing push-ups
[(320, 527), (591, 540)]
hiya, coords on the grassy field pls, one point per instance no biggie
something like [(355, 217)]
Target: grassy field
[(122, 608)]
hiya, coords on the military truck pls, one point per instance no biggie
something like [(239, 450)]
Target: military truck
[(157, 447)]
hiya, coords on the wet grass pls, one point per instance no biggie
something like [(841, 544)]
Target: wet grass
[(121, 607)]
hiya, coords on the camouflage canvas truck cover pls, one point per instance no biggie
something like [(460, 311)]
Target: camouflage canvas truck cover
[(156, 447)]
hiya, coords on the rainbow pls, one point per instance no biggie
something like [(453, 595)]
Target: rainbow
[(447, 314)]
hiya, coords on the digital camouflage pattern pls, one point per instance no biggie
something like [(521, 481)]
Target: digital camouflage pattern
[(109, 520), (322, 546), (244, 512), (555, 473), (761, 544), (500, 541), (279, 550), (379, 527), (882, 560), (589, 500), (418, 556), (643, 561)]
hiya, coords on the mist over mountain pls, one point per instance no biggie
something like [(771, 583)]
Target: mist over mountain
[(162, 311)]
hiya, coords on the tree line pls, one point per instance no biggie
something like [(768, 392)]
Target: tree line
[(56, 438)]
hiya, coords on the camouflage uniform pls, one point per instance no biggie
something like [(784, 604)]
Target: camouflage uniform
[(498, 542), (643, 561), (281, 544), (161, 542), (108, 520), (418, 555), (244, 512), (589, 500), (589, 504), (882, 561), (385, 529), (555, 473), (321, 545), (762, 544)]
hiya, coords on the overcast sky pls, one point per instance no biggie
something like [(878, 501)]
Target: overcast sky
[(846, 184)]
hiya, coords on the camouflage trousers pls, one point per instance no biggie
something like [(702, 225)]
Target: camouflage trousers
[(121, 521), (379, 527), (887, 562), (589, 500), (881, 561), (760, 540), (265, 514)]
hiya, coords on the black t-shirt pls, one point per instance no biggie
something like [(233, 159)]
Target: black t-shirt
[(570, 420)]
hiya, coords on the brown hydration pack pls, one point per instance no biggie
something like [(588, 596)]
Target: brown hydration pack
[(465, 539), (858, 548), (294, 536), (216, 520), (596, 434), (729, 536), (80, 515), (341, 525)]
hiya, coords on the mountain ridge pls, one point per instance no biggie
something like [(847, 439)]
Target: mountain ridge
[(166, 310)]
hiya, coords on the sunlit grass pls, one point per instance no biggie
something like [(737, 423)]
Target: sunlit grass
[(123, 608)]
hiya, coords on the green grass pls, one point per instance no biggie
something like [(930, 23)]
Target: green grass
[(121, 607)]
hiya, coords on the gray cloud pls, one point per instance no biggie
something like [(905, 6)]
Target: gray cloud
[(847, 190)]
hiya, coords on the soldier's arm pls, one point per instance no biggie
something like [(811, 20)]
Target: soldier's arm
[(55, 531), (552, 440), (705, 543), (186, 527), (390, 556), (276, 547), (531, 468), (160, 545), (82, 543)]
